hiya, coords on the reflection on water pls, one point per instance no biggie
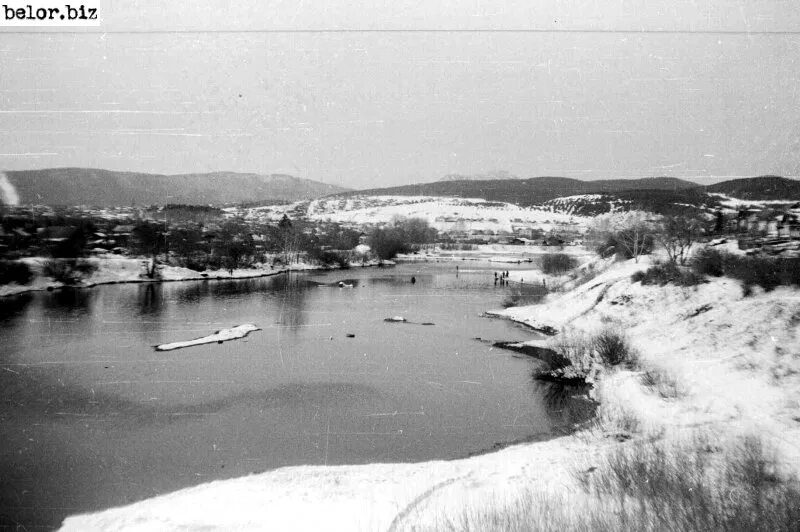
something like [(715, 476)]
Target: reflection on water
[(93, 417), (13, 308), (292, 298), (150, 299), (73, 301)]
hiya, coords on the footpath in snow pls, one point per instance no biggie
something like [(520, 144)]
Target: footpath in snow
[(736, 358)]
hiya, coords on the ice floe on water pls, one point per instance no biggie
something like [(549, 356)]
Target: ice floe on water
[(223, 335)]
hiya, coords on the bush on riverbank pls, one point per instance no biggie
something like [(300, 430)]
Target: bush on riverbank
[(766, 272), (334, 258), (399, 236), (197, 261), (520, 295), (456, 246), (14, 272), (608, 347), (68, 271), (557, 263), (670, 272), (613, 349), (658, 487)]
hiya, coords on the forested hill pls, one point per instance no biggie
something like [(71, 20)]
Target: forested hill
[(768, 187)]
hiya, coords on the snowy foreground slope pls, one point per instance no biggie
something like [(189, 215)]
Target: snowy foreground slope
[(737, 359)]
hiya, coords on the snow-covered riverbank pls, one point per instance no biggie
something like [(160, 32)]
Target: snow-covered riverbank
[(114, 269), (735, 358)]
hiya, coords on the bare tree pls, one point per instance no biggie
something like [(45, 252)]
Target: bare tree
[(677, 234), (627, 234), (289, 240), (636, 240)]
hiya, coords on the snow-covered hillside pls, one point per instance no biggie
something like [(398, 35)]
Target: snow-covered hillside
[(736, 203), (583, 204), (443, 213)]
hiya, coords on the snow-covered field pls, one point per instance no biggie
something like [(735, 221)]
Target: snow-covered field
[(736, 358)]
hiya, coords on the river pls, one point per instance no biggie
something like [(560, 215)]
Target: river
[(93, 417)]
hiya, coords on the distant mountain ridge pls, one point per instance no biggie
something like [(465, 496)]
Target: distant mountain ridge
[(106, 188), (662, 195)]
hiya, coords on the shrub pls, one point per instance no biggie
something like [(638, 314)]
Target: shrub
[(766, 272), (678, 234), (606, 246), (674, 488), (456, 246), (582, 351), (197, 261), (14, 272), (663, 383), (652, 486), (709, 261), (627, 244), (214, 262), (335, 258), (575, 346), (387, 243), (557, 263), (68, 271), (661, 274), (612, 348), (525, 294), (399, 236)]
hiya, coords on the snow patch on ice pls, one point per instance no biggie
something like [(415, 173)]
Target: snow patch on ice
[(234, 333)]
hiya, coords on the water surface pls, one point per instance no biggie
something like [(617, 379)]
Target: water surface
[(93, 417)]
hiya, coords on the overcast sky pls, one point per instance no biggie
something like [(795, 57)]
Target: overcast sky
[(708, 90)]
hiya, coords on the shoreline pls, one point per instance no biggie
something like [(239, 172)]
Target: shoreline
[(216, 275)]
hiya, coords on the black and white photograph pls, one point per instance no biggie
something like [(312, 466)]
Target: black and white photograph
[(408, 266)]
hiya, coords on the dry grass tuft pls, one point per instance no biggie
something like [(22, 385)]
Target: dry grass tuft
[(653, 486), (660, 381)]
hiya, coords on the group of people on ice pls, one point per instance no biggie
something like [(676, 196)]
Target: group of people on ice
[(503, 278)]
